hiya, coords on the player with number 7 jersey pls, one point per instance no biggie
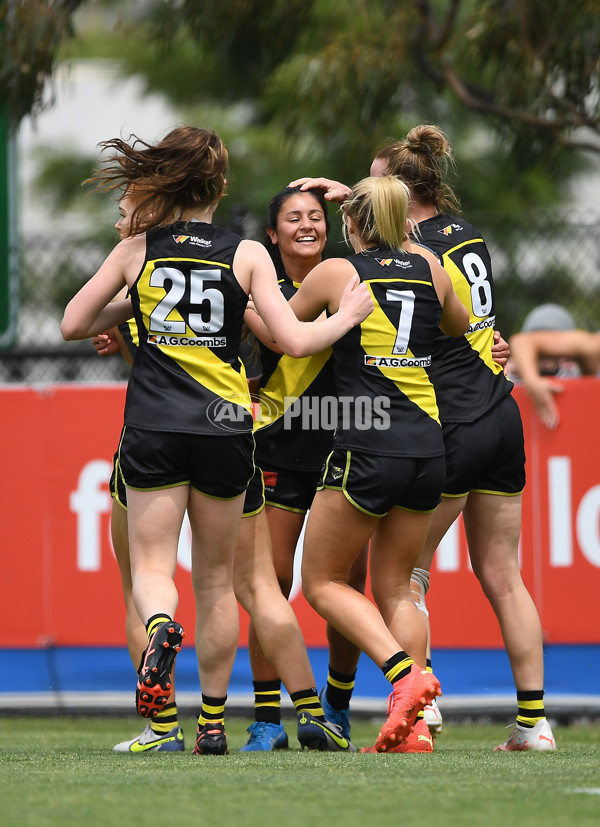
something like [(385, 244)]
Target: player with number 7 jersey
[(387, 358), (385, 473)]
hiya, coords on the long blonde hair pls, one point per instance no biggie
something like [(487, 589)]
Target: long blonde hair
[(378, 207)]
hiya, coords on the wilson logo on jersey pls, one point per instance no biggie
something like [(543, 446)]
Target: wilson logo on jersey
[(451, 228), (398, 362), (179, 239)]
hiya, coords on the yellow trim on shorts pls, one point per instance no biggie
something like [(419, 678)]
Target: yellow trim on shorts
[(253, 513), (342, 487), (351, 501), (484, 491), (497, 493), (301, 511), (360, 508), (114, 493), (214, 497), (157, 488), (414, 510), (178, 485)]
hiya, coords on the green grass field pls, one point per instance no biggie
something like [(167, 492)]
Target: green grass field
[(61, 771)]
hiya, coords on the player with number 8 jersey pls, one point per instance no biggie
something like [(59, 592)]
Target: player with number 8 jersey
[(467, 380), (483, 432)]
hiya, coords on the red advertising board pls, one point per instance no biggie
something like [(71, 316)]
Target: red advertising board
[(61, 583)]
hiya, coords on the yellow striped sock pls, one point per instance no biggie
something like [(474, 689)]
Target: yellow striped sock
[(165, 720), (213, 711), (155, 622), (308, 701), (530, 707), (339, 689), (267, 701), (397, 667)]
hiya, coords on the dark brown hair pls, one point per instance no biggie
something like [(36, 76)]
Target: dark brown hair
[(186, 169), (422, 160)]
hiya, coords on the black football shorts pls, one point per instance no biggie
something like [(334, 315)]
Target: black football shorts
[(217, 466), (375, 483), (255, 494), (116, 486), (289, 488), (486, 456)]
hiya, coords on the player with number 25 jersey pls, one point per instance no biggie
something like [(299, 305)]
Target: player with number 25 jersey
[(189, 313)]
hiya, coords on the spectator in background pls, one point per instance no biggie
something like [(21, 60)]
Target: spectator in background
[(550, 348)]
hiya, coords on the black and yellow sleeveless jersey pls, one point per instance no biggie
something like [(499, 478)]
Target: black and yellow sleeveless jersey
[(285, 433), (387, 402), (129, 332), (467, 380), (188, 310)]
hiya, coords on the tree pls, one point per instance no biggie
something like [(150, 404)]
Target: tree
[(528, 66), (31, 35)]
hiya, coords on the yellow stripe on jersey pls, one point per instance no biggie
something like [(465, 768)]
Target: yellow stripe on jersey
[(133, 332), (480, 340), (413, 382), (289, 381), (199, 362), (216, 375)]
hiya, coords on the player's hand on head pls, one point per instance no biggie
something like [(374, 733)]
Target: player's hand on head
[(332, 190)]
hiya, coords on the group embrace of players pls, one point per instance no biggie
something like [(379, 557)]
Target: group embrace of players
[(407, 317)]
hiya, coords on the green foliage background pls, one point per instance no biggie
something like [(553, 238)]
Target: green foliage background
[(315, 88)]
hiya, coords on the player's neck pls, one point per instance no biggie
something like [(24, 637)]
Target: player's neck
[(297, 269), (205, 216), (421, 212)]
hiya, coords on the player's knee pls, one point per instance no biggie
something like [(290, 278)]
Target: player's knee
[(419, 586)]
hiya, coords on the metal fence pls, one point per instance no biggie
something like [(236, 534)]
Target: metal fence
[(537, 258)]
